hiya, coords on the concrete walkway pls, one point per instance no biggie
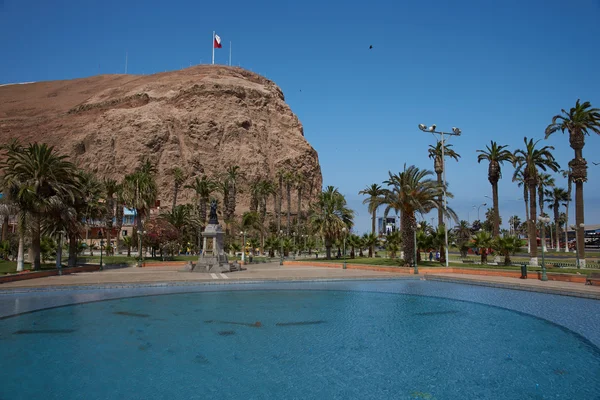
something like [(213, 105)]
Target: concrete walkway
[(275, 272)]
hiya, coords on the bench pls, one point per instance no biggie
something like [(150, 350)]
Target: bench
[(468, 261), (593, 277)]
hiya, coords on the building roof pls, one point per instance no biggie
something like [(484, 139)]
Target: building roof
[(588, 228)]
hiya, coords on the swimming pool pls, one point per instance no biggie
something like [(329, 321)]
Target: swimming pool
[(304, 340)]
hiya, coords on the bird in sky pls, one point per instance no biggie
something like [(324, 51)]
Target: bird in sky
[(596, 163), (370, 47)]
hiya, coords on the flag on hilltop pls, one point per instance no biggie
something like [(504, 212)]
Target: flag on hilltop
[(217, 42)]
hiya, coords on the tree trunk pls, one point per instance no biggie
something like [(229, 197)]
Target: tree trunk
[(441, 219), (5, 228), (556, 226), (373, 217), (175, 192), (541, 203), (579, 221), (280, 203), (526, 199), (21, 251), (532, 225), (289, 207), (118, 223), (275, 214), (72, 249), (567, 227), (408, 245), (299, 212), (328, 251), (496, 209), (35, 242)]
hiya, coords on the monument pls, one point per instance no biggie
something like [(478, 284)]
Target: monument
[(213, 257)]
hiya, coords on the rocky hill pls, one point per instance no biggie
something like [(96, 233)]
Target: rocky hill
[(202, 119)]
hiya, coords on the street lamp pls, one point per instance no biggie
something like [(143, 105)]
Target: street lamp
[(576, 241), (543, 221), (101, 245), (243, 233), (280, 247), (479, 208), (455, 132), (344, 233), (415, 260)]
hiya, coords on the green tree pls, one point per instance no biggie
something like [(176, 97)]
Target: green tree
[(110, 189), (506, 246), (370, 240), (128, 242), (521, 182), (555, 198), (567, 174), (178, 180), (289, 178), (36, 174), (463, 237), (374, 193), (495, 155), (579, 121), (528, 161), (408, 193), (483, 241), (330, 215)]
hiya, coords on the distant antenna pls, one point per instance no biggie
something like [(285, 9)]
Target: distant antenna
[(126, 56)]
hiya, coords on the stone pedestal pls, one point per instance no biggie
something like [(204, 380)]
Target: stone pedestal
[(213, 257)]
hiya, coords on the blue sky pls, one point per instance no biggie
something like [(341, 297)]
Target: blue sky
[(497, 69)]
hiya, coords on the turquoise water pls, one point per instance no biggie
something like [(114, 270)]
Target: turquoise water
[(292, 345)]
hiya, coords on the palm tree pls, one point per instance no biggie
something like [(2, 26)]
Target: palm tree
[(39, 174), (567, 174), (140, 191), (463, 236), (555, 198), (353, 242), (119, 211), (375, 192), (289, 178), (128, 242), (483, 241), (495, 154), (280, 174), (330, 215), (579, 121), (110, 189), (514, 223), (544, 181), (520, 179), (507, 246), (300, 182), (232, 176), (435, 153), (178, 179), (527, 162), (408, 193), (370, 240), (203, 187)]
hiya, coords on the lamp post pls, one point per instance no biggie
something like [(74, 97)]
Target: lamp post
[(479, 208), (281, 247), (243, 233), (344, 234), (101, 245), (576, 241), (59, 252), (415, 261), (455, 132), (543, 221)]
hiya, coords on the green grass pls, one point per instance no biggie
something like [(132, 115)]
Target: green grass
[(10, 267)]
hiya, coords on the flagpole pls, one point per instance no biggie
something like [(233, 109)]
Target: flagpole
[(230, 53), (213, 48)]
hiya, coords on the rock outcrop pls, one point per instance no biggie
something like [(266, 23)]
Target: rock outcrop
[(202, 119)]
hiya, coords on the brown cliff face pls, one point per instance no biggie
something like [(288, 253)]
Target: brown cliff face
[(202, 119)]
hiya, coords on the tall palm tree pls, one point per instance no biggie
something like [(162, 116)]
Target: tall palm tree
[(140, 191), (119, 211), (40, 174), (527, 162), (330, 215), (555, 198), (300, 182), (579, 121), (567, 174), (408, 193), (203, 187), (232, 176), (495, 154), (514, 223), (91, 189), (280, 175), (375, 192), (178, 180), (289, 178), (110, 189), (544, 181), (520, 179), (435, 153)]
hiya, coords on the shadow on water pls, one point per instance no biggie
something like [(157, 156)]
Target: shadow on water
[(256, 324), (130, 314), (432, 313), (299, 323), (42, 331), (226, 333)]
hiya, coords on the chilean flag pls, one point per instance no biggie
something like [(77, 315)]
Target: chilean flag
[(217, 44)]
